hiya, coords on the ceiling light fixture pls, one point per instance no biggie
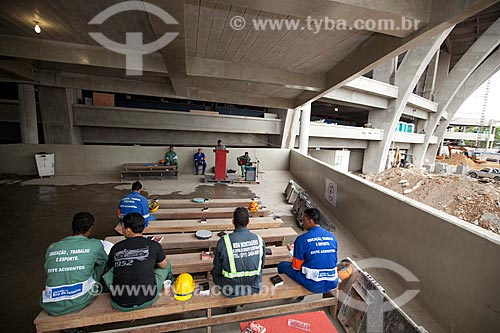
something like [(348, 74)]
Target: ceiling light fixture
[(37, 28)]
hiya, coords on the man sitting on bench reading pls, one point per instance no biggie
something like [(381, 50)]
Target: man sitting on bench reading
[(138, 268), (314, 262), (73, 266), (239, 259), (134, 202)]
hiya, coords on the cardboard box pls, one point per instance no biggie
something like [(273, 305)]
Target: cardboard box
[(102, 99)]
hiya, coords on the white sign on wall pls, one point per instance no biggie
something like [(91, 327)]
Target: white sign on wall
[(331, 192)]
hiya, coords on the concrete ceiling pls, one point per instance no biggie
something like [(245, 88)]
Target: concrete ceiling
[(209, 60)]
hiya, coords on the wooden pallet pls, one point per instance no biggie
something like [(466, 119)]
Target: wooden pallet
[(198, 213), (230, 179), (211, 203)]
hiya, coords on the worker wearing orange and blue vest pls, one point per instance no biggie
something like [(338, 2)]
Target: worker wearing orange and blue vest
[(239, 259), (314, 262)]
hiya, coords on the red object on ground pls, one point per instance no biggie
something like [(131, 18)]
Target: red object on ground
[(220, 163), (318, 320)]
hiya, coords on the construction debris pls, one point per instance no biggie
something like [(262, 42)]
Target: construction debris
[(463, 197)]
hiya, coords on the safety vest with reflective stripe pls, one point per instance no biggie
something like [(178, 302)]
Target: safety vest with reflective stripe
[(232, 264)]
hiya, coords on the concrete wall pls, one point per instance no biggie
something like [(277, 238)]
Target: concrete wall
[(87, 159), (456, 262), (356, 160)]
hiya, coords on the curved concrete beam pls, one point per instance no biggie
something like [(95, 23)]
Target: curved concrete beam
[(476, 54), (489, 67), (406, 78)]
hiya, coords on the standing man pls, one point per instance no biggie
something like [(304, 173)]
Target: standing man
[(244, 161), (239, 259), (134, 202), (199, 158), (171, 158), (138, 268), (73, 265), (314, 263), (220, 145)]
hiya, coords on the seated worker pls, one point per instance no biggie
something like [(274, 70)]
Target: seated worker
[(199, 158), (171, 158), (314, 262), (73, 265), (239, 259), (138, 268), (244, 161), (134, 202)]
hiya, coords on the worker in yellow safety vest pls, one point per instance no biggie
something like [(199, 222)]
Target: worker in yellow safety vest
[(239, 259)]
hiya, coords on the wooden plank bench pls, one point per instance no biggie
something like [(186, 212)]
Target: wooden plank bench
[(211, 203), (275, 236), (192, 263), (100, 311), (194, 213), (137, 171), (171, 226)]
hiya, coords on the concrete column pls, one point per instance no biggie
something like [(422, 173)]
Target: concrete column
[(385, 72), (490, 129), (443, 67), (406, 78), (27, 113), (305, 119), (445, 94), (430, 77), (493, 142), (489, 67), (57, 115)]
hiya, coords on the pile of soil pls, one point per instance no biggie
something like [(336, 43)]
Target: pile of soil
[(469, 199)]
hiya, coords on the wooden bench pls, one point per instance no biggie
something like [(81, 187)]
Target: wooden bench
[(192, 263), (100, 311), (211, 203), (193, 213), (171, 226), (137, 171), (275, 236)]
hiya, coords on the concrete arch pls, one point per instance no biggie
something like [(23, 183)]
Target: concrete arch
[(474, 56), (489, 67), (406, 78)]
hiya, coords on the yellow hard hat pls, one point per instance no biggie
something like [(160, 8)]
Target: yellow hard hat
[(154, 205), (183, 287), (253, 207)]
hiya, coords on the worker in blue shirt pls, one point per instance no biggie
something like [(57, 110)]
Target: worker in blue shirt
[(314, 262), (199, 158), (134, 202)]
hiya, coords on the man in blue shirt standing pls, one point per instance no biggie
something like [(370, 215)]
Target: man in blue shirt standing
[(199, 158), (314, 262), (134, 202)]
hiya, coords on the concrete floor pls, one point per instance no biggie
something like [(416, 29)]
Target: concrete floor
[(100, 194)]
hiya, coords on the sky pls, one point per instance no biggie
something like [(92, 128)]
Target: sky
[(473, 106)]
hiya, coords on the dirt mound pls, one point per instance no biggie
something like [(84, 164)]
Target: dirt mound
[(466, 198), (457, 159)]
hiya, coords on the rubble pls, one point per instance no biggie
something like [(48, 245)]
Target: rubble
[(460, 196)]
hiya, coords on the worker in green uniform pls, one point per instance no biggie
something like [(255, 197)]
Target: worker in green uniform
[(74, 266), (171, 158), (244, 161)]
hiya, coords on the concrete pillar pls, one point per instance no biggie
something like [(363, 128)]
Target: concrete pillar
[(27, 113), (489, 67), (385, 72), (490, 129), (493, 141), (443, 67), (446, 92), (57, 115), (430, 77), (407, 76), (305, 119)]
